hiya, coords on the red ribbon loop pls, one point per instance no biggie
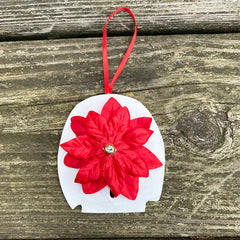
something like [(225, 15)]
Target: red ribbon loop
[(108, 87)]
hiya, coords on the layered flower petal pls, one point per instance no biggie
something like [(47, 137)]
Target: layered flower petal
[(89, 172), (73, 162), (95, 186), (137, 137), (142, 122), (148, 157), (121, 119), (80, 147), (111, 177), (131, 163), (119, 124), (96, 126), (130, 187), (110, 108), (78, 125)]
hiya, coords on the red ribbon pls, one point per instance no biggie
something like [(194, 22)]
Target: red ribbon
[(108, 87)]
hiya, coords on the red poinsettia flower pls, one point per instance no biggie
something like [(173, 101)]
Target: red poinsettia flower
[(108, 150)]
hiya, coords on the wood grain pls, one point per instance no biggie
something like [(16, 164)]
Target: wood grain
[(31, 19), (191, 85)]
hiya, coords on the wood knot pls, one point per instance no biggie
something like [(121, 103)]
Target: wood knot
[(205, 130)]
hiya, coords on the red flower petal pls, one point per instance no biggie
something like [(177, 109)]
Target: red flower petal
[(137, 137), (78, 125), (120, 119), (80, 147), (142, 122), (111, 177), (119, 124), (149, 158), (96, 126), (122, 146), (110, 108), (73, 162), (89, 172), (131, 163), (92, 187), (130, 187)]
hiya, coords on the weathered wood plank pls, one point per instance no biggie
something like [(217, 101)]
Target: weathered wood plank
[(21, 19), (191, 85)]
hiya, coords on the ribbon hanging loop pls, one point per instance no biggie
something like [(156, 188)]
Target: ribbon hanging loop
[(108, 87)]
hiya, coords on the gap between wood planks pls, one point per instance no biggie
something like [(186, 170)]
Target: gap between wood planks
[(140, 33)]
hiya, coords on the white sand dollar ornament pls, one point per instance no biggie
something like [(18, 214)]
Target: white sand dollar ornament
[(111, 154)]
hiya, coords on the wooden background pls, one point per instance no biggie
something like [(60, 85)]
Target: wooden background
[(185, 71)]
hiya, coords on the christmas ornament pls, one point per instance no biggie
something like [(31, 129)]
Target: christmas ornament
[(111, 153)]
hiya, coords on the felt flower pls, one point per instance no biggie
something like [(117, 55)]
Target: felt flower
[(108, 150)]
